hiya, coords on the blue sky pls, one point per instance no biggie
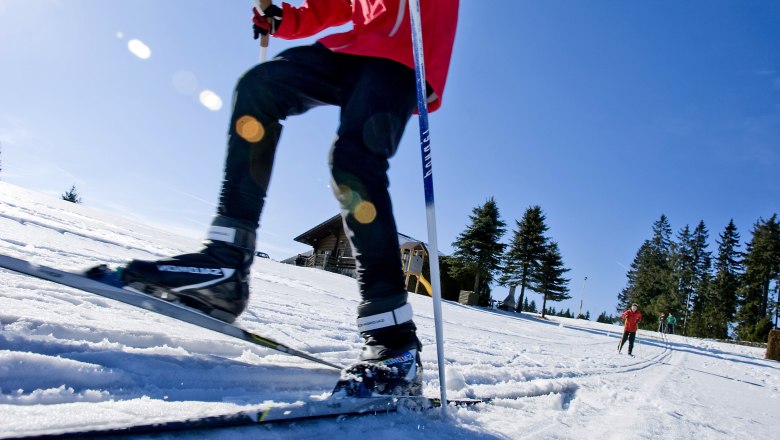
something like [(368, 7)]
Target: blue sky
[(605, 113)]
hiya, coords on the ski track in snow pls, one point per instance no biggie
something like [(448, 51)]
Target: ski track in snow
[(69, 358)]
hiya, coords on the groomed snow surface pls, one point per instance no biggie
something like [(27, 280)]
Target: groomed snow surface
[(71, 359)]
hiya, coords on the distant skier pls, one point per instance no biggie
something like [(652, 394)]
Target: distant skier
[(671, 321), (631, 317), (662, 323), (367, 71)]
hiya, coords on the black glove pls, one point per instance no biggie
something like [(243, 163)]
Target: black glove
[(266, 22)]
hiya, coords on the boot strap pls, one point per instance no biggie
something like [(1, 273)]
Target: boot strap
[(232, 231), (388, 319)]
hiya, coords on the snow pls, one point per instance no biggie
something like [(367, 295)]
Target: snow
[(70, 359)]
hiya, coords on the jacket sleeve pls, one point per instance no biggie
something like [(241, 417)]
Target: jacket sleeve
[(623, 316), (312, 17)]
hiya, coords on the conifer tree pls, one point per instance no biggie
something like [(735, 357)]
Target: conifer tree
[(662, 236), (651, 281), (659, 286), (604, 318), (627, 295), (728, 269), (697, 323), (72, 195), (523, 259), (684, 272), (549, 280), (762, 266), (478, 251)]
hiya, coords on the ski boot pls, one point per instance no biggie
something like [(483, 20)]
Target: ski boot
[(389, 364), (214, 280)]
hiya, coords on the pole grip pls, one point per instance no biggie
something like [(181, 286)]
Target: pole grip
[(261, 5)]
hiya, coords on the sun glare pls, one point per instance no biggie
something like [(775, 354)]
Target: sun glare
[(139, 49), (210, 100)]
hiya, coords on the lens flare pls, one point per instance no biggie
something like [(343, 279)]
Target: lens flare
[(365, 212), (139, 49), (185, 82), (250, 129), (345, 195), (210, 100)]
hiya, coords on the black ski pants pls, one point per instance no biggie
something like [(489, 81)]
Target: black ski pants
[(630, 336), (377, 98)]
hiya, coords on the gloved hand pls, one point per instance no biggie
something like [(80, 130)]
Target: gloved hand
[(266, 22)]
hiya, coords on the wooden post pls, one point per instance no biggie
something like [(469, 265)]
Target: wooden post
[(773, 345)]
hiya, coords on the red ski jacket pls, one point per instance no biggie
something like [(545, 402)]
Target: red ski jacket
[(632, 319), (380, 28)]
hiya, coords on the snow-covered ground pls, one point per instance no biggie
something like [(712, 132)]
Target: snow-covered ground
[(69, 358)]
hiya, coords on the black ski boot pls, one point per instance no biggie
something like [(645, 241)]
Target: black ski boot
[(389, 364), (214, 280)]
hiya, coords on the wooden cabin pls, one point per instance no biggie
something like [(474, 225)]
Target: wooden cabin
[(331, 250)]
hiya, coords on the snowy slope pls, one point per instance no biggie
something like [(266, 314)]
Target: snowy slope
[(69, 358)]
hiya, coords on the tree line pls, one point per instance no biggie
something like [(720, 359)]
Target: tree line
[(733, 293), (531, 261)]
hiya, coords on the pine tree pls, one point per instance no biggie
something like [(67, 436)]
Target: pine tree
[(651, 281), (684, 272), (549, 281), (478, 250), (762, 266), (697, 323), (662, 236), (72, 195), (728, 270), (523, 259), (604, 318)]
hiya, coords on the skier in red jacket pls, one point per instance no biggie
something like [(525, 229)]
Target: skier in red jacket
[(632, 317), (368, 71)]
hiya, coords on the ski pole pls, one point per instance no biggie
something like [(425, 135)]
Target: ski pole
[(430, 210), (261, 5), (638, 344)]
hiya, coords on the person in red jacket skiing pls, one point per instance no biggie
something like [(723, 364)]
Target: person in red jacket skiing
[(632, 317), (368, 71)]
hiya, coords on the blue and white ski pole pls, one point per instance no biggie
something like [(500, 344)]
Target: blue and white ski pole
[(427, 168)]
